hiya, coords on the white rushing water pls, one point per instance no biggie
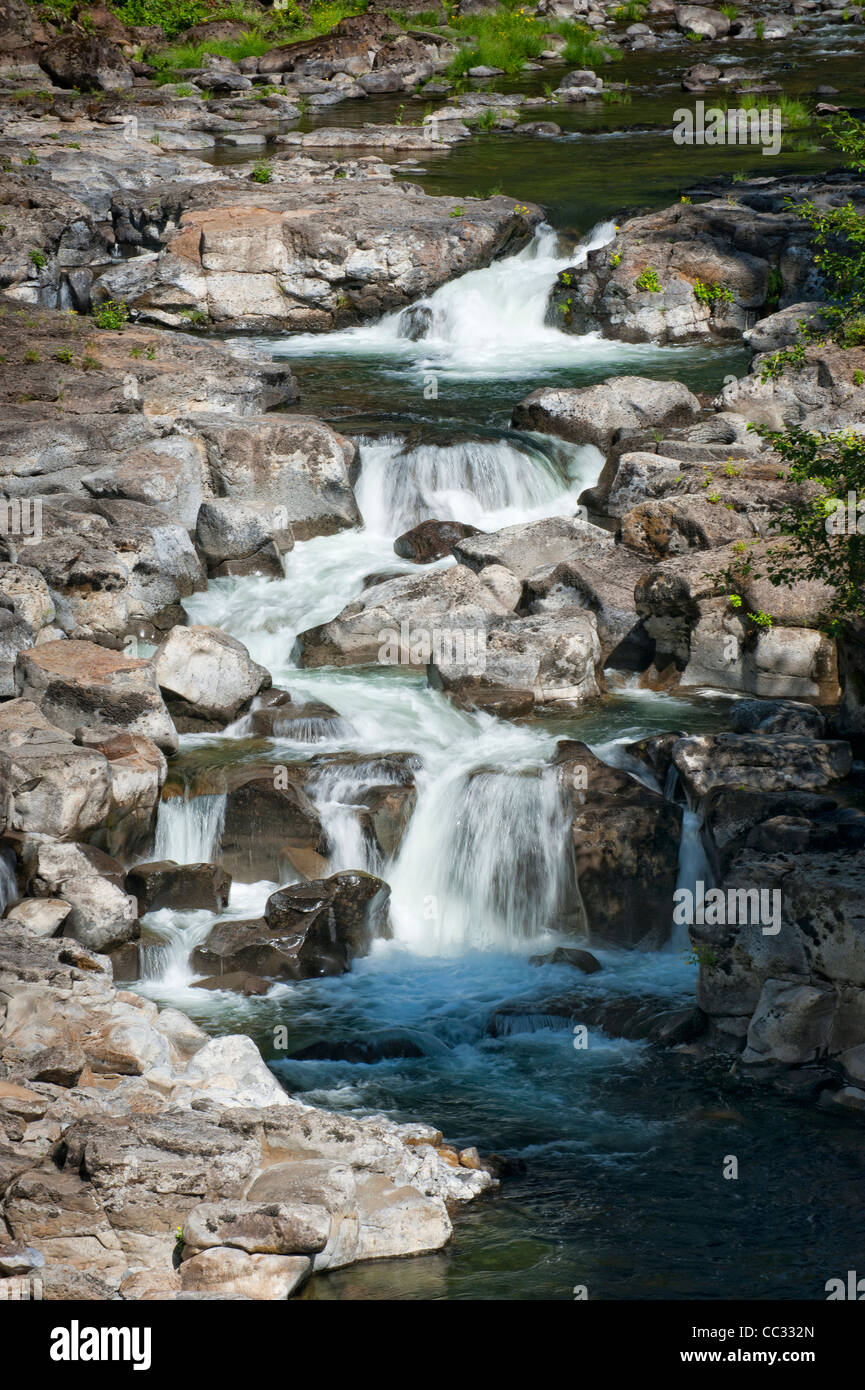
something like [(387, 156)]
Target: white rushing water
[(189, 829), (485, 861), (486, 323)]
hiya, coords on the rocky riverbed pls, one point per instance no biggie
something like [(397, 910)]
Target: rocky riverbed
[(370, 684)]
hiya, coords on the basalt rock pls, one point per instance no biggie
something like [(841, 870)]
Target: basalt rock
[(162, 883), (308, 930), (626, 848)]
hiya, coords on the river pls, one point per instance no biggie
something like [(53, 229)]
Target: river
[(617, 1151)]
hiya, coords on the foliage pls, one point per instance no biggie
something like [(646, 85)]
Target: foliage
[(817, 543), (648, 280), (111, 314)]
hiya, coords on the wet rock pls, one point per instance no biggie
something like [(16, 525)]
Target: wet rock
[(700, 76), (207, 675), (237, 982), (626, 848), (431, 540), (182, 887), (308, 930), (271, 830), (569, 955), (77, 683)]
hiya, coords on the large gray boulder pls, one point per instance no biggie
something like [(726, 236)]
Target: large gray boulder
[(605, 414), (207, 675), (296, 466)]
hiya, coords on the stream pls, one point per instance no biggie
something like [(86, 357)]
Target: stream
[(617, 1150)]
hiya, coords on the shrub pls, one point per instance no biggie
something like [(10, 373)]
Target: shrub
[(111, 314), (648, 280)]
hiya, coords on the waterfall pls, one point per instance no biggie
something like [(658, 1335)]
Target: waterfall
[(506, 302), (338, 795), (8, 881), (484, 483), (486, 323), (485, 863), (693, 869), (189, 828)]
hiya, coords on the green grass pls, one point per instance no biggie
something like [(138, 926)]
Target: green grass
[(507, 38), (794, 114)]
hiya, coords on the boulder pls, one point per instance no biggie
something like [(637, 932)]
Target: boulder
[(702, 20), (767, 762), (605, 414), (403, 621), (207, 675), (88, 62), (293, 470), (308, 930), (431, 540), (78, 684), (271, 829), (626, 849), (228, 1273), (101, 915), (262, 1228), (182, 887)]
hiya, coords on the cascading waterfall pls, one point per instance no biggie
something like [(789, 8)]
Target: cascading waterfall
[(694, 868), (189, 828), (8, 881), (338, 795), (501, 308), (484, 483), (486, 323), (485, 863)]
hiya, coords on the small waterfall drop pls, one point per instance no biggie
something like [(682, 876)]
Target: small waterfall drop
[(189, 828), (694, 868), (489, 852), (8, 881), (484, 483), (483, 311), (338, 795)]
